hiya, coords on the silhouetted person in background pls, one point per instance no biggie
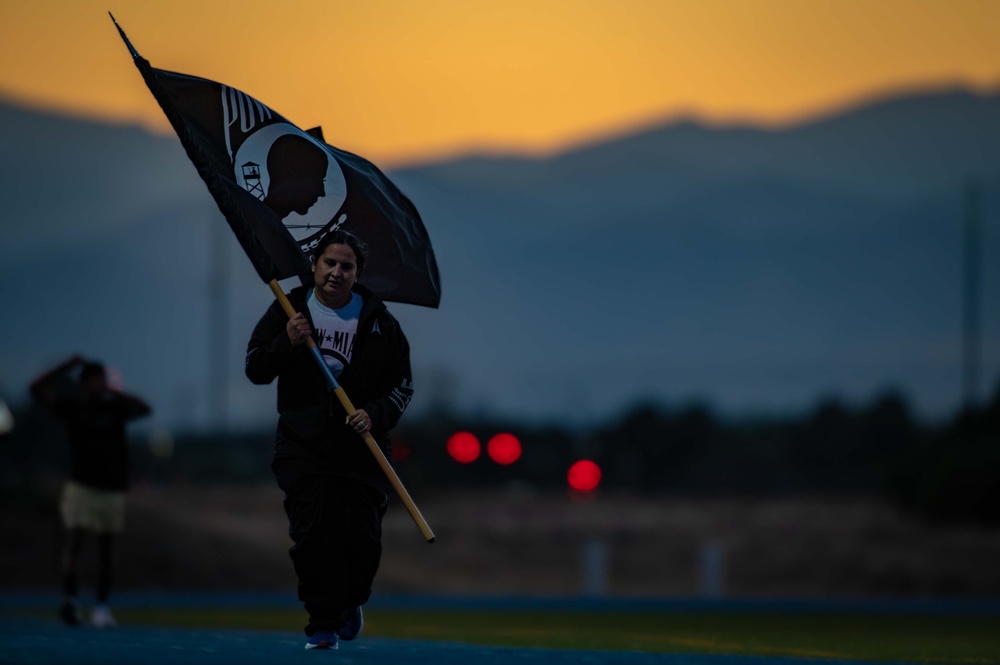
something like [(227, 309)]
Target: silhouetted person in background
[(6, 420), (93, 499), (335, 492), (296, 168)]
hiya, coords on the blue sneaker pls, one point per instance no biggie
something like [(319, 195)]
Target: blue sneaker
[(323, 639), (351, 623)]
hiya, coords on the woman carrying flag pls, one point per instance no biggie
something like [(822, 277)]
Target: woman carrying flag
[(335, 492)]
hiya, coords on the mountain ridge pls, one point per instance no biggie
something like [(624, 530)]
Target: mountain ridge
[(755, 269)]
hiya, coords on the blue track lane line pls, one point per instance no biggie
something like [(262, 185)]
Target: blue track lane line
[(45, 642)]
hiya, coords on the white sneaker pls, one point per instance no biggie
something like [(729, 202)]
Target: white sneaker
[(101, 617)]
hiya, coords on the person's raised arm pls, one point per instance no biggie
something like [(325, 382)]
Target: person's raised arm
[(42, 387), (135, 407)]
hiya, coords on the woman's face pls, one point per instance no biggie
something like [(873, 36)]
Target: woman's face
[(334, 273)]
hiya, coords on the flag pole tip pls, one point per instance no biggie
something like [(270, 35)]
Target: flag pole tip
[(131, 49)]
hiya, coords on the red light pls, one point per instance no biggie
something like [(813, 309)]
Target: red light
[(463, 447), (401, 450), (504, 448), (584, 476)]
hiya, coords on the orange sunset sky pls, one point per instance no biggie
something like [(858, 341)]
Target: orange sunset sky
[(403, 80)]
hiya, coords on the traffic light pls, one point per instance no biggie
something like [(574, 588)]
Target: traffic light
[(504, 448), (401, 450), (464, 447), (584, 476)]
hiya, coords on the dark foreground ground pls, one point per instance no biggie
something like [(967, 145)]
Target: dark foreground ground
[(46, 642), (174, 628)]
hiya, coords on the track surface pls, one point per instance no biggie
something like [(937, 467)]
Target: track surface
[(47, 642)]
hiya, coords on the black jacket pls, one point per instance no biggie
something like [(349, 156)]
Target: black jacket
[(98, 445), (311, 421)]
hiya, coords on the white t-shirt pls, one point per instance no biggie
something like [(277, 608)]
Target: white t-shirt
[(334, 330)]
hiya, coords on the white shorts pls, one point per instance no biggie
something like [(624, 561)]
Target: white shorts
[(100, 511)]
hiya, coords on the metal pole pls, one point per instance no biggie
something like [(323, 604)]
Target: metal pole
[(594, 555), (971, 288), (218, 317)]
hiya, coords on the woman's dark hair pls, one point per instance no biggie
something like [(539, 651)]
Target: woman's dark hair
[(338, 237)]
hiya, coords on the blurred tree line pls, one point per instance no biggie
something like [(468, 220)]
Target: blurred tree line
[(946, 472)]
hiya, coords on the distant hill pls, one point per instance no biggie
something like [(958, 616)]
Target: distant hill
[(752, 268)]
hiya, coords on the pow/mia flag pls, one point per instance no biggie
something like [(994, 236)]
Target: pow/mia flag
[(282, 189)]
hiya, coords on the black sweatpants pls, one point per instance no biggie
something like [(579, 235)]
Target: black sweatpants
[(336, 525)]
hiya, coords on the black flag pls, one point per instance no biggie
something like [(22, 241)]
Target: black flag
[(282, 189)]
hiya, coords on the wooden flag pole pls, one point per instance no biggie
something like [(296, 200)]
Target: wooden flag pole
[(397, 485)]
